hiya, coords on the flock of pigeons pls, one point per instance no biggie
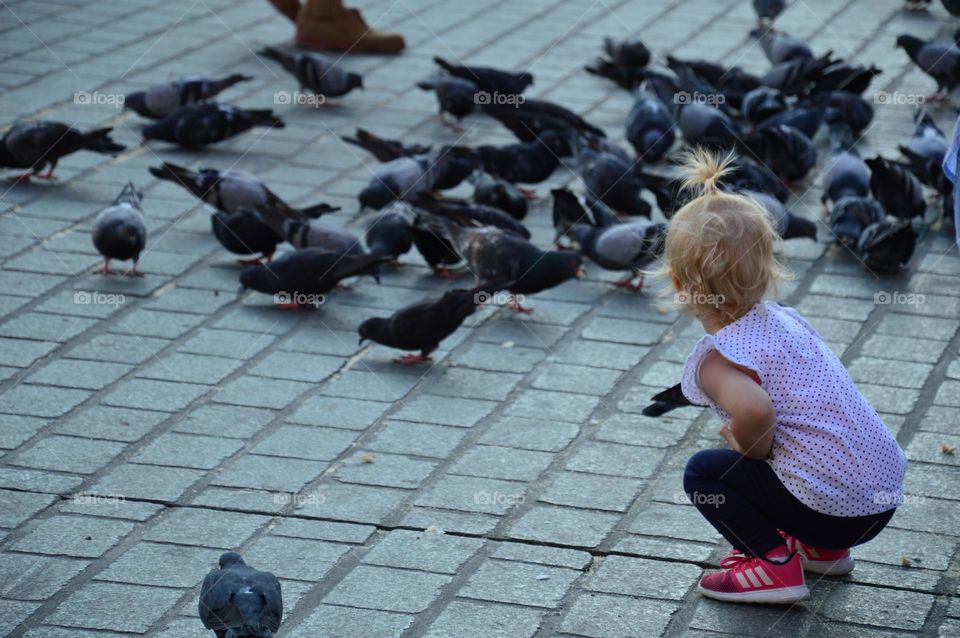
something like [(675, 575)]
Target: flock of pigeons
[(875, 206)]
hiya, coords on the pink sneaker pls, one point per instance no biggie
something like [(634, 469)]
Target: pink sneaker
[(829, 562), (746, 579)]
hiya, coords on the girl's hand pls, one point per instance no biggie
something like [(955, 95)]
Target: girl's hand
[(727, 434)]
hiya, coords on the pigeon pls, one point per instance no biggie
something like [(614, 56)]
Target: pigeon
[(632, 246), (846, 174), (887, 246), (787, 225), (455, 96), (383, 149), (470, 214), (733, 83), (236, 195), (796, 77), (493, 254), (160, 100), (748, 175), (302, 232), (404, 177), (487, 79), (198, 125), (854, 79), (784, 150), (807, 120), (663, 402), (499, 193), (237, 601), (925, 153), (300, 276), (120, 232), (424, 324), (850, 216), (780, 47), (610, 179), (315, 72), (628, 78), (896, 188), (526, 162), (390, 232), (706, 125), (625, 63), (531, 119), (854, 110), (434, 247), (768, 11), (650, 128), (695, 88), (36, 145), (938, 60), (761, 104), (570, 209)]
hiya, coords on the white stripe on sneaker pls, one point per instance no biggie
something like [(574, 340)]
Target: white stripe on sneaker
[(743, 581), (763, 575), (753, 578)]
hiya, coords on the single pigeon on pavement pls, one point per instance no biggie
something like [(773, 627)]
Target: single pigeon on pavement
[(888, 245), (199, 125), (488, 79), (36, 145), (941, 61), (455, 96), (120, 231), (160, 100), (237, 601), (316, 73), (631, 247)]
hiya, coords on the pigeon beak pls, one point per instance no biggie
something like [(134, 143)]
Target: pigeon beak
[(581, 273)]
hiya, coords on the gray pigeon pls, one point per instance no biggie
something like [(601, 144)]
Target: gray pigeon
[(160, 100), (846, 174), (119, 232), (941, 61), (780, 47), (405, 177), (632, 246), (237, 601), (455, 96), (316, 73)]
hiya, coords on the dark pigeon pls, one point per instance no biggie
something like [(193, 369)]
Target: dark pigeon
[(423, 325), (493, 254), (384, 149), (470, 214), (316, 73), (925, 153), (650, 128), (237, 601), (780, 47), (37, 145), (850, 216), (499, 193), (854, 110), (663, 402), (531, 119), (120, 232), (390, 232), (431, 242), (488, 79), (455, 96), (160, 100), (627, 53), (762, 104), (706, 125), (939, 60), (570, 209), (608, 178), (301, 276), (768, 11), (896, 188), (526, 162), (887, 246), (199, 125), (748, 175), (784, 150), (628, 247), (799, 76), (807, 120)]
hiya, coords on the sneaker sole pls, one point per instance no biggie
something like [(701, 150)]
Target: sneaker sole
[(780, 596), (840, 567)]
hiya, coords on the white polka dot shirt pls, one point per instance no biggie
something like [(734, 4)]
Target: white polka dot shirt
[(830, 448)]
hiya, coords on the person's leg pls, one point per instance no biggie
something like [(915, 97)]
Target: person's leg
[(327, 24), (289, 8), (737, 496)]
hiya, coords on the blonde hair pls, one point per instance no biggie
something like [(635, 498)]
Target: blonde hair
[(719, 246)]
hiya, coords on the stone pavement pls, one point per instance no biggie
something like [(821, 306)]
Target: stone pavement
[(512, 489)]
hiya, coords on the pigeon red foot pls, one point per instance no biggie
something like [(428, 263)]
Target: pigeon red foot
[(412, 359), (518, 307)]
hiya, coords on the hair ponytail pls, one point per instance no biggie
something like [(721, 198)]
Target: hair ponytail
[(703, 170)]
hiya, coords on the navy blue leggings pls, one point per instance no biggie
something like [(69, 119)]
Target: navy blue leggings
[(747, 503)]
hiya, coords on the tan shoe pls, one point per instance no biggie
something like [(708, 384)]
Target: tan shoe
[(344, 30)]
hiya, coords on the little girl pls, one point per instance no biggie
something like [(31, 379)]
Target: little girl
[(813, 470)]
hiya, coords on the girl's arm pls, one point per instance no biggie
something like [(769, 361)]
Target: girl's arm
[(753, 418)]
